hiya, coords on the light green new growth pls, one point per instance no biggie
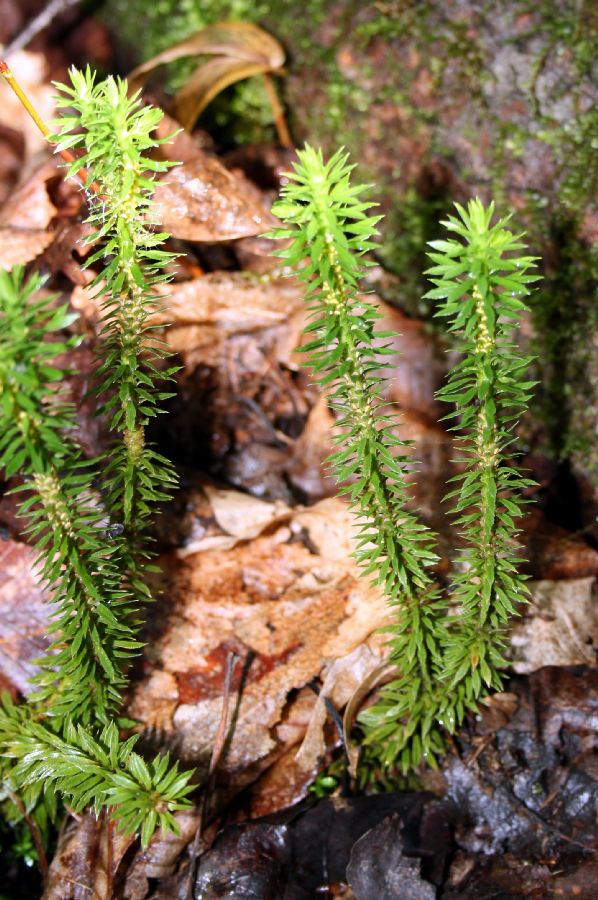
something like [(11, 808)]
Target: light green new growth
[(481, 277), (51, 746), (445, 661), (115, 133)]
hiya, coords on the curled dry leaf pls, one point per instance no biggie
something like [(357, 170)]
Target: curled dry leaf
[(380, 674), (87, 860), (200, 200), (160, 858), (341, 678), (24, 221), (239, 50)]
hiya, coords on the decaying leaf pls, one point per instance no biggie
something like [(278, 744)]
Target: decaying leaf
[(379, 866), (24, 616), (559, 626), (496, 711), (86, 862), (555, 554), (207, 312), (288, 602), (240, 50), (24, 220), (160, 858), (200, 200), (285, 781), (307, 472), (341, 679), (232, 301)]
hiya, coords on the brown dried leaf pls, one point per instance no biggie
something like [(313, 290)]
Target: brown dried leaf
[(341, 680), (25, 217), (377, 676), (243, 516), (242, 323), (307, 471), (284, 782), (555, 553), (292, 598), (496, 711), (232, 301), (20, 245), (160, 858), (200, 200), (87, 860), (241, 50)]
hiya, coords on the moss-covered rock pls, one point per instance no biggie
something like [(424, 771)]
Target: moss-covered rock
[(439, 101)]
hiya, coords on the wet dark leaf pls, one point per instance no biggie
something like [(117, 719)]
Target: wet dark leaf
[(200, 200), (378, 867)]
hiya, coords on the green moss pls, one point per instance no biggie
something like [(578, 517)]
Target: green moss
[(566, 319)]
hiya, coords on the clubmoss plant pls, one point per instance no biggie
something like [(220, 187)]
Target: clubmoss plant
[(331, 231), (82, 678), (92, 769), (115, 134), (446, 661), (481, 277), (88, 518)]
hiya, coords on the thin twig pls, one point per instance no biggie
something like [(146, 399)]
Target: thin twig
[(81, 175), (217, 750), (41, 21), (37, 840)]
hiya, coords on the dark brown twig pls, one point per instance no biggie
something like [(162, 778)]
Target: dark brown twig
[(37, 840), (41, 21)]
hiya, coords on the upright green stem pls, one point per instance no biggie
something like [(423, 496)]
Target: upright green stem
[(480, 282), (115, 132)]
